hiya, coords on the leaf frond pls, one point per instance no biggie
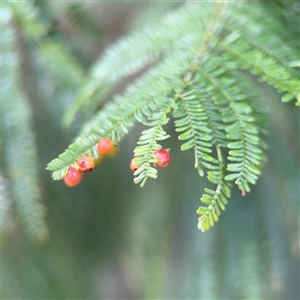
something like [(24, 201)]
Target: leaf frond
[(59, 73), (196, 59), (215, 199), (138, 50), (241, 132), (19, 139), (117, 116), (193, 125), (147, 144), (264, 55)]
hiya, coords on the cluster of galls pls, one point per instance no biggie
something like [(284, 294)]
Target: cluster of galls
[(163, 160), (105, 146), (86, 164)]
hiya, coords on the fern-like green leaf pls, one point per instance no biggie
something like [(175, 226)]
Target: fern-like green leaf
[(265, 55), (122, 113), (59, 73), (147, 144), (215, 199), (19, 140), (241, 132), (140, 49), (193, 125), (199, 54)]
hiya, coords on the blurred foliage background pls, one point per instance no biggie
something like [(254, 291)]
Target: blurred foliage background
[(110, 239)]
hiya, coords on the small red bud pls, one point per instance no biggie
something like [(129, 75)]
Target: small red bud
[(164, 158), (105, 146), (73, 177), (86, 164)]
